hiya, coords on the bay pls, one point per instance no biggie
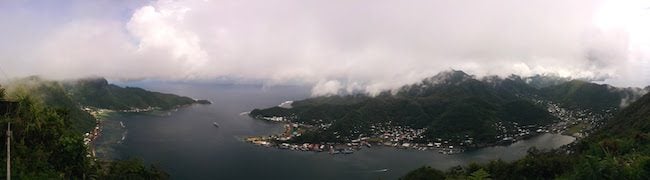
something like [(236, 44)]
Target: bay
[(186, 144)]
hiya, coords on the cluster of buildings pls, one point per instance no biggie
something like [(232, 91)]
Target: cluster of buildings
[(510, 132), (147, 109), (98, 111), (381, 135), (276, 119), (577, 122), (574, 122), (395, 134), (91, 136), (385, 134)]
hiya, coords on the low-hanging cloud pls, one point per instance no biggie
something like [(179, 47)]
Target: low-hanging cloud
[(338, 46)]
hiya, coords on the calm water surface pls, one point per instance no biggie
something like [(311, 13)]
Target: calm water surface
[(188, 146)]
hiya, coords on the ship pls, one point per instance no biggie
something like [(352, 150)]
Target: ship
[(215, 124)]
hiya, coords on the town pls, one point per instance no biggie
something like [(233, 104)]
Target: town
[(382, 135), (570, 121), (91, 136), (99, 114)]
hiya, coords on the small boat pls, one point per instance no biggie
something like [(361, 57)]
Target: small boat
[(382, 170), (215, 124)]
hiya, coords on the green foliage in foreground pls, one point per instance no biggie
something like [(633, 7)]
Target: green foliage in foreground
[(43, 146), (537, 165), (53, 95), (72, 95), (621, 150)]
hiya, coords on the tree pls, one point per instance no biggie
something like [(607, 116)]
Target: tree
[(480, 174), (45, 147), (424, 173), (2, 92)]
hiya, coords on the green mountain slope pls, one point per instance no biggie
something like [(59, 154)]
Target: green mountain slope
[(619, 150), (631, 121), (453, 105), (71, 96), (578, 93), (449, 105), (48, 126), (96, 92), (43, 146), (53, 95)]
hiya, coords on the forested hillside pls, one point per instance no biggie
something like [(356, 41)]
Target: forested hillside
[(619, 150), (48, 122), (44, 146), (72, 96), (97, 92), (451, 105)]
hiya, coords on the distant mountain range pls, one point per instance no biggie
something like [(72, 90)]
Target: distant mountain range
[(453, 105)]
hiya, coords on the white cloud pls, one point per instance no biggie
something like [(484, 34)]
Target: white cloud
[(338, 46), (330, 87), (159, 30)]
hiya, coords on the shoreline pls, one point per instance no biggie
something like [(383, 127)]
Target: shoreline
[(282, 140), (91, 137), (100, 115), (574, 123), (351, 147)]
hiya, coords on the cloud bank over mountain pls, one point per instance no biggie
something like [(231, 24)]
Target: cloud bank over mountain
[(337, 46)]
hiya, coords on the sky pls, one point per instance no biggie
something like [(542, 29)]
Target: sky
[(333, 45)]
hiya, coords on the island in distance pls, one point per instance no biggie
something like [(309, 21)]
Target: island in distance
[(449, 113)]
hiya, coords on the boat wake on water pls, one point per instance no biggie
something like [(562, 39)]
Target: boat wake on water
[(379, 170), (123, 137)]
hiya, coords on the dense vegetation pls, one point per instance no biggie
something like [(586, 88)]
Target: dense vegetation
[(96, 92), (52, 94), (43, 146), (587, 95), (450, 104), (620, 150), (48, 124), (72, 95)]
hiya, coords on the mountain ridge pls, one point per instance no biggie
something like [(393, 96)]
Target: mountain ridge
[(451, 104), (97, 92), (65, 95)]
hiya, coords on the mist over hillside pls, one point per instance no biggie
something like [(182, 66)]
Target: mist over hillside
[(457, 106)]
